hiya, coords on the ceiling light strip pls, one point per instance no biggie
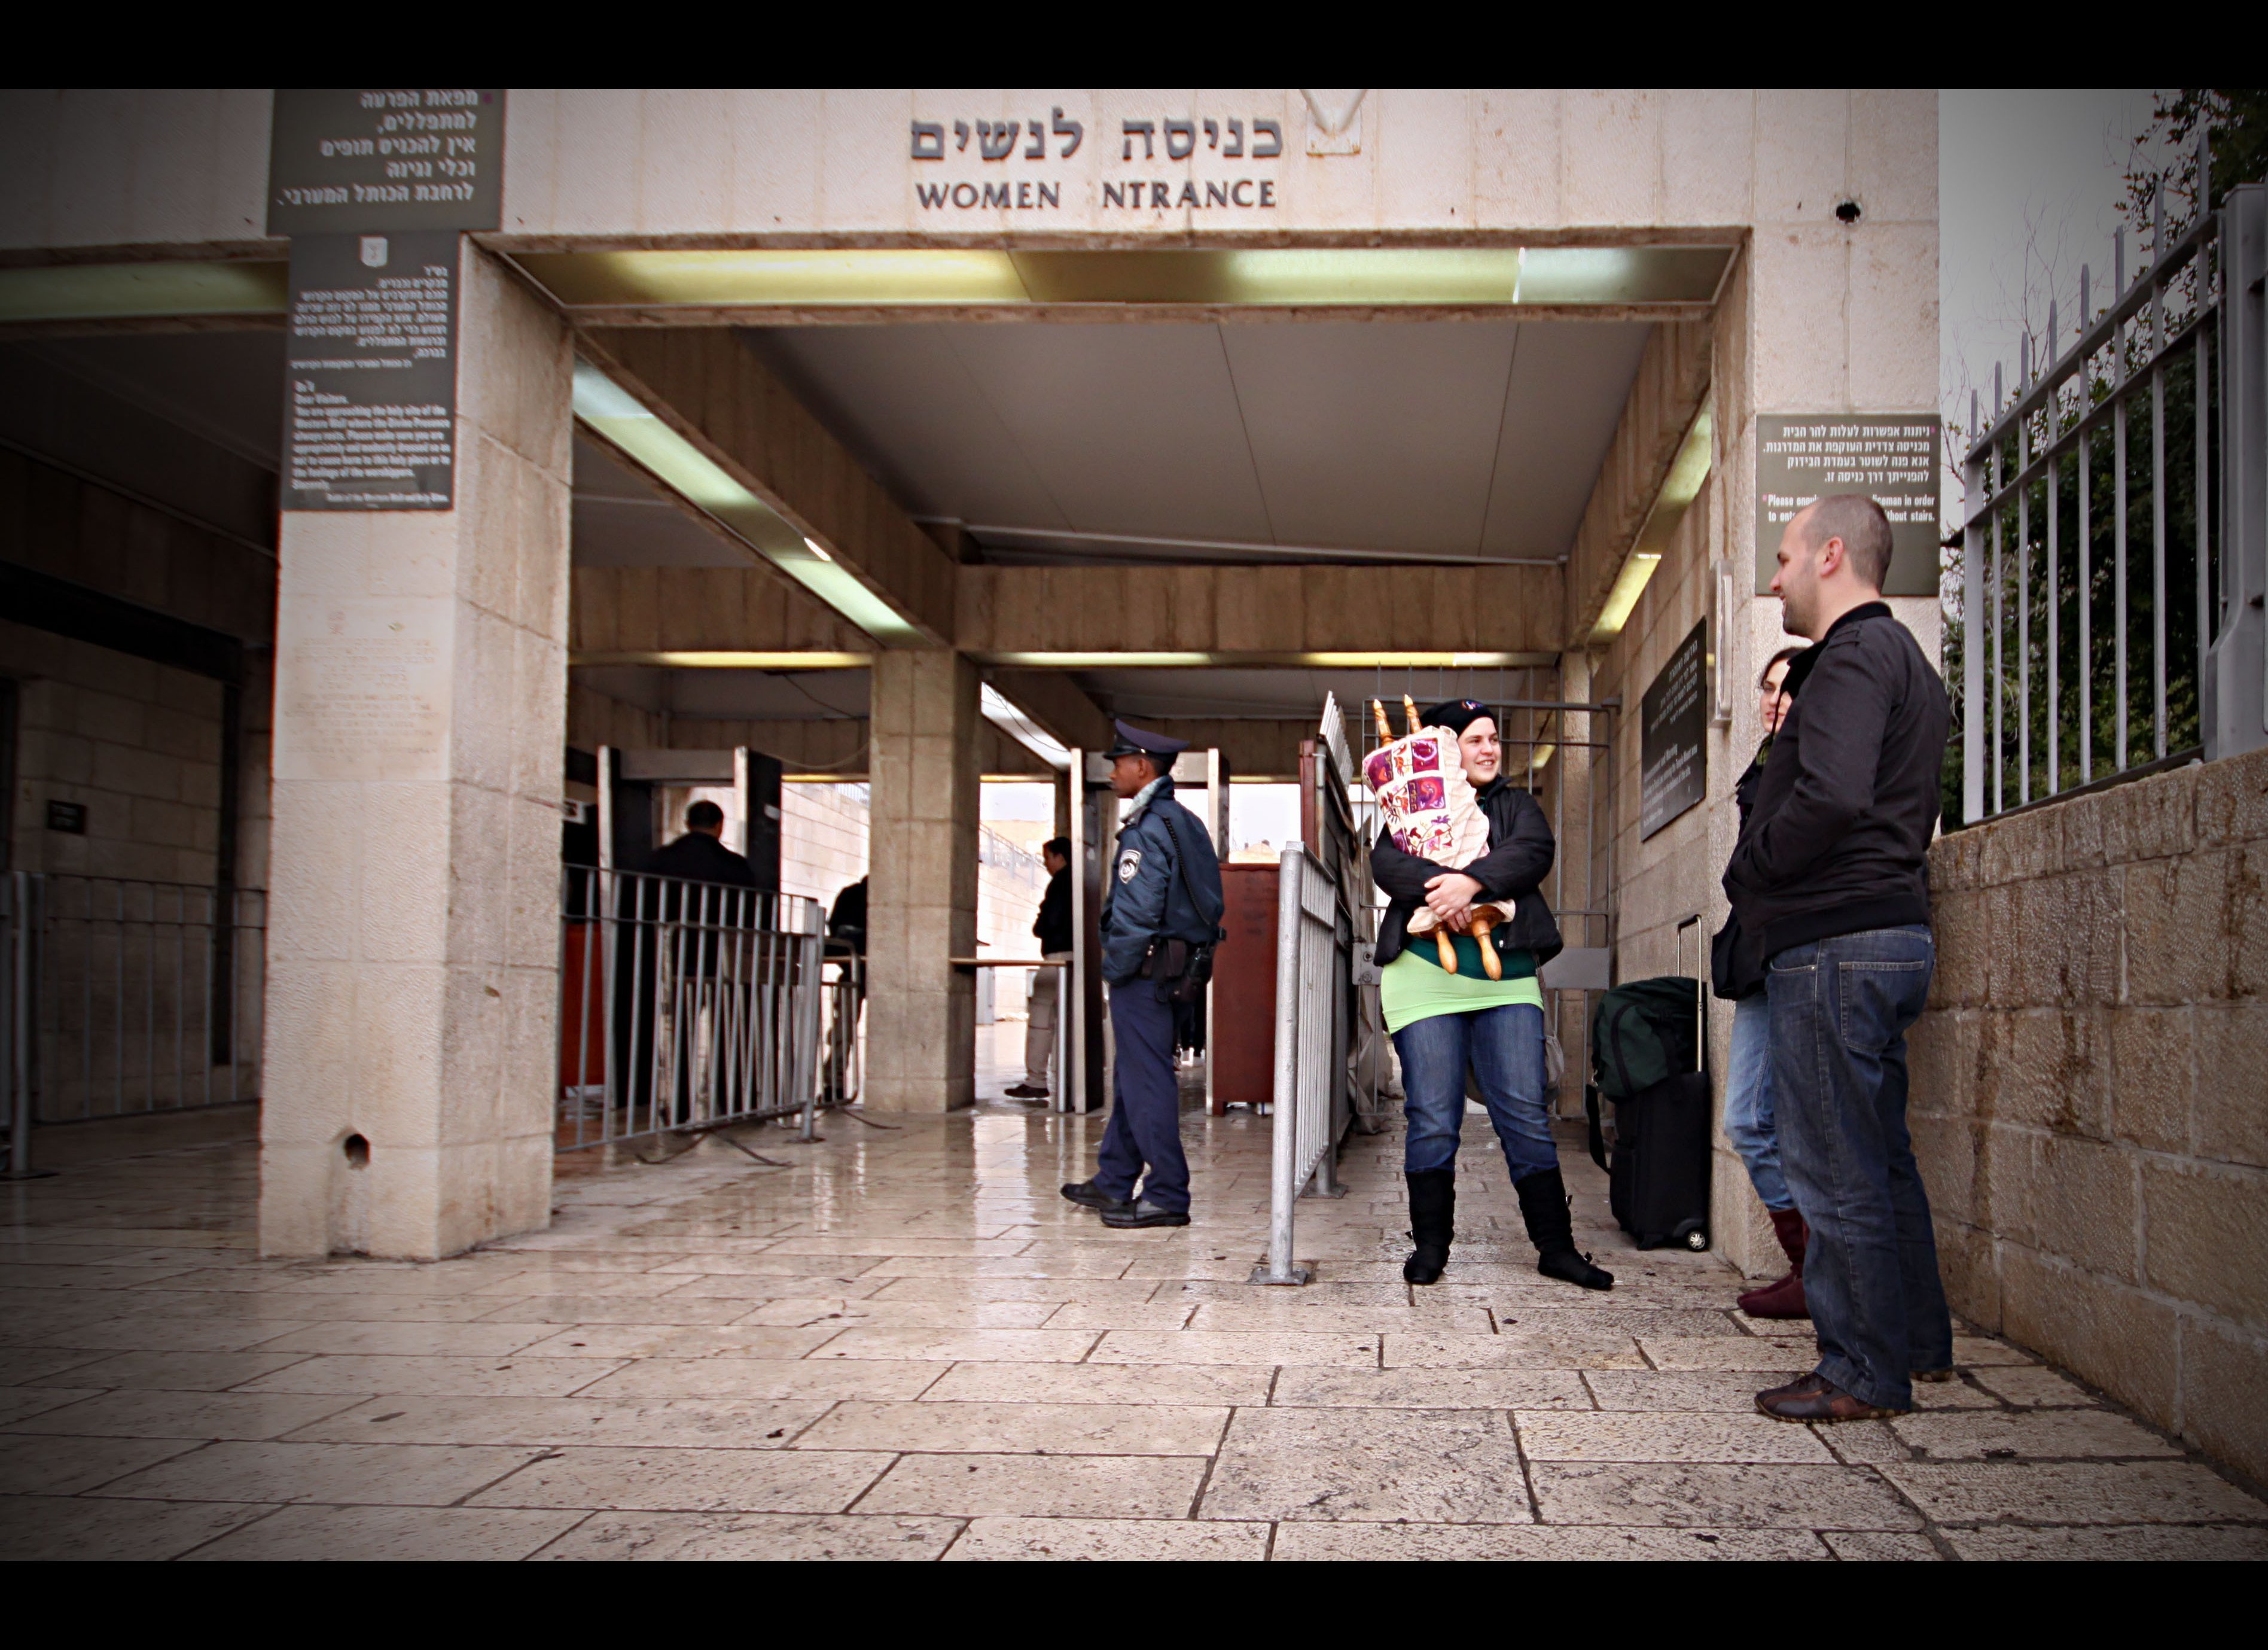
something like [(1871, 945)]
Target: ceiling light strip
[(1274, 660), (135, 291), (1688, 471), (672, 659)]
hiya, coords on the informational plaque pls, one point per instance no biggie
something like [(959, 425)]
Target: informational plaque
[(1672, 761), (357, 160), (370, 375), (1893, 458)]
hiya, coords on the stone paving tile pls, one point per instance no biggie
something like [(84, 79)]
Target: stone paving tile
[(67, 1465), (288, 1312), (1659, 1435), (1307, 1387), (1711, 1496), (1423, 1543), (1055, 1292), (1291, 1315), (419, 1534), (689, 1480), (1212, 1266), (1199, 1290), (2075, 1492), (1512, 1350), (1979, 1352), (983, 1346), (1560, 1321), (611, 1309), (391, 1474), (740, 1421), (2238, 1544), (21, 1363), (1881, 1546), (145, 1332), (1861, 1443), (2034, 1385), (770, 1265), (128, 1414), (1137, 1540), (179, 1372), (1688, 1390), (1065, 1486), (2040, 1434), (17, 1402), (67, 1276), (1418, 1466), (412, 1340), (1955, 1395), (433, 1377), (1102, 1265), (744, 1536), (1021, 1428), (1192, 1346), (896, 1246), (1102, 1384), (1752, 1352), (907, 1315), (41, 1527)]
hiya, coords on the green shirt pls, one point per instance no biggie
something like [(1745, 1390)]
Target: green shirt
[(1415, 986)]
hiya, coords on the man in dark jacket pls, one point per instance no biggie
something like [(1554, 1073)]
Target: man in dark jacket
[(1161, 901), (1052, 930), (1831, 873)]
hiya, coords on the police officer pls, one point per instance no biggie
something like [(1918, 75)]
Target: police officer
[(1161, 913)]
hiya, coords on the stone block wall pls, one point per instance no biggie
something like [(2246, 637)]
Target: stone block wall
[(2090, 1092)]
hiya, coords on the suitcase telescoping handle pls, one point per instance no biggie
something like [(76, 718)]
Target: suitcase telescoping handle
[(1700, 988)]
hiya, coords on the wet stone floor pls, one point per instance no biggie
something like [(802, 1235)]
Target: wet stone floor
[(903, 1343)]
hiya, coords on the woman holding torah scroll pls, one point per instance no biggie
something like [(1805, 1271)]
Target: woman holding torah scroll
[(1491, 1019)]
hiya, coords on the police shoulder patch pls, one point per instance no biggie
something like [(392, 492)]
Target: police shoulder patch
[(1129, 862)]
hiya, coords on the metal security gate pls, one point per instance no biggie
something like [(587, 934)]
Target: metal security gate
[(121, 998), (2114, 541), (1313, 942), (686, 1006)]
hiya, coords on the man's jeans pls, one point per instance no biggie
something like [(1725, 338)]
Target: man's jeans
[(1505, 1048), (1749, 1100), (1839, 1011)]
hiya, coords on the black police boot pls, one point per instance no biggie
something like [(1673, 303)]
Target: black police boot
[(1087, 1194), (1144, 1213), (1433, 1223), (1543, 1205)]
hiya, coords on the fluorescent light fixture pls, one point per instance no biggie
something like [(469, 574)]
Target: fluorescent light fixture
[(680, 659), (614, 413), (1262, 277), (119, 292), (1679, 488), (1291, 660), (1021, 728), (816, 549), (1538, 756)]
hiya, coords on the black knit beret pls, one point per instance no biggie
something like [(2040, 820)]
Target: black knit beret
[(1458, 714)]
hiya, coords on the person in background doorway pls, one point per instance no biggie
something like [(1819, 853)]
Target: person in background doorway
[(1444, 1023), (1053, 931), (1737, 965), (1831, 874), (1161, 920), (700, 855), (846, 947), (846, 918)]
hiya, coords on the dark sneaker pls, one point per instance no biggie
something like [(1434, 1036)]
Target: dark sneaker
[(1144, 1213), (1026, 1091), (1087, 1194), (1813, 1397)]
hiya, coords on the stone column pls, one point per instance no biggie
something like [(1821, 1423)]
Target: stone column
[(420, 723), (921, 901)]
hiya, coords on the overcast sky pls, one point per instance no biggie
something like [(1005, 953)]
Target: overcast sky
[(2030, 185)]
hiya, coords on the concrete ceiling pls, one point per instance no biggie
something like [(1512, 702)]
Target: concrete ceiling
[(1475, 440), (764, 695), (1283, 692), (624, 518)]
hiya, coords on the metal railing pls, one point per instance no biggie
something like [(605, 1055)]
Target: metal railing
[(1314, 945), (684, 1007), (2112, 541), (125, 996), (842, 1071)]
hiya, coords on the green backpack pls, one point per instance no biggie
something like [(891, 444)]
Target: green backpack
[(1644, 1032)]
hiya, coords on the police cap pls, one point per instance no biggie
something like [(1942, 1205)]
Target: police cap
[(1135, 741)]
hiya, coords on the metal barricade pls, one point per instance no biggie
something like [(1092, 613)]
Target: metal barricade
[(1314, 947), (127, 997), (843, 1073), (684, 1007)]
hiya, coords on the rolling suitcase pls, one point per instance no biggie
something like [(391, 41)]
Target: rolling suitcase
[(1650, 1056)]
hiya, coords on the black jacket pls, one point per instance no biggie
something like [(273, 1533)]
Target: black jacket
[(700, 858), (1838, 840), (847, 920), (1053, 928), (1520, 855), (1736, 957)]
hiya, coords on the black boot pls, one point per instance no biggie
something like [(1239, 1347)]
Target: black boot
[(1543, 1205), (1433, 1223)]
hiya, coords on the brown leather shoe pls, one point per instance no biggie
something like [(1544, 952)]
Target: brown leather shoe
[(1813, 1397), (1783, 1299)]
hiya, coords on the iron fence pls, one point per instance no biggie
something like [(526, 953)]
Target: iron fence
[(2112, 546), (125, 996), (685, 1005), (1313, 942)]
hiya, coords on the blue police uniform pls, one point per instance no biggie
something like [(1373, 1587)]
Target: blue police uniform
[(1164, 883)]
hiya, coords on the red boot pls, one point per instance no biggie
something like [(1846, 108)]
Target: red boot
[(1785, 1297)]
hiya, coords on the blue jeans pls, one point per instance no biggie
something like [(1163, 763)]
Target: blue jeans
[(1505, 1048), (1839, 1011), (1749, 1101), (1145, 1114)]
